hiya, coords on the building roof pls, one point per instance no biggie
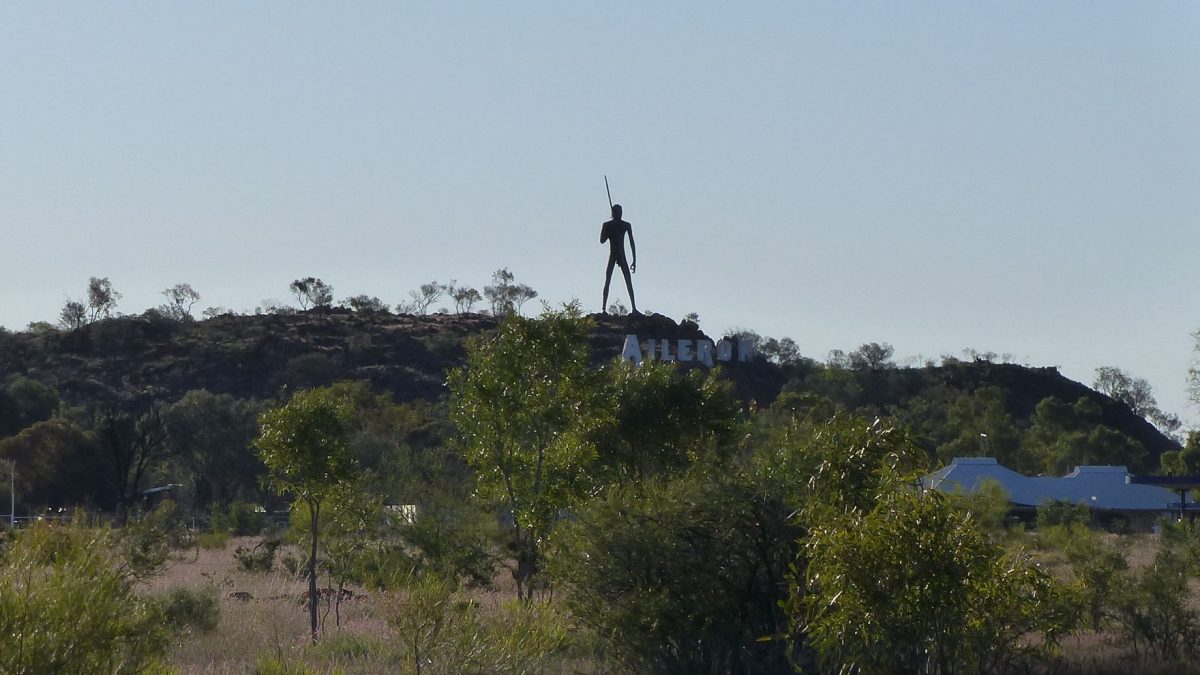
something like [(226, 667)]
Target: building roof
[(1099, 487)]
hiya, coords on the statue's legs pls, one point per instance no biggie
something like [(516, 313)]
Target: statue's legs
[(612, 260), (629, 286)]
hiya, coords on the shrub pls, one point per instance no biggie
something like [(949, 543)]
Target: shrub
[(261, 558), (212, 541), (682, 577), (440, 631), (914, 586), (68, 605), (280, 665), (147, 541), (240, 519), (453, 543), (1154, 612), (1058, 512), (346, 646), (247, 520), (187, 608)]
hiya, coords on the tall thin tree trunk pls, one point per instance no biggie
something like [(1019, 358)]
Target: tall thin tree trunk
[(314, 509)]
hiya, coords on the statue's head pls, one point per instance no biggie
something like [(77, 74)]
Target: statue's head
[(616, 210)]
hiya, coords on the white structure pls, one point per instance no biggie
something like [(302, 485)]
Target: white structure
[(1098, 487)]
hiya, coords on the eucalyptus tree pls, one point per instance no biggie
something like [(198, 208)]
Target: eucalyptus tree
[(527, 405), (305, 446)]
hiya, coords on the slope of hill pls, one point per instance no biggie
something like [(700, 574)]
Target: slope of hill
[(132, 361)]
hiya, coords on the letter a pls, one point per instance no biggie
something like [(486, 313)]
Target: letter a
[(632, 350)]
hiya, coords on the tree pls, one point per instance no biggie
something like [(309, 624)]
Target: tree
[(312, 292), (101, 298), (365, 304), (666, 418), (57, 463), (914, 587), (73, 315), (24, 401), (872, 356), (505, 296), (784, 352), (1193, 374), (684, 575), (464, 297), (211, 434), (526, 404), (1062, 436), (180, 299), (426, 295), (304, 444), (980, 426), (1137, 394), (134, 444), (68, 606)]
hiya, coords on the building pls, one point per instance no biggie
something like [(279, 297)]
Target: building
[(1110, 491)]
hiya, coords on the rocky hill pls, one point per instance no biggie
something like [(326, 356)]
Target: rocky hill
[(133, 361)]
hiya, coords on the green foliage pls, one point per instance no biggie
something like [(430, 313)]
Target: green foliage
[(134, 445), (240, 519), (850, 462), (68, 606), (914, 587), (1136, 394), (212, 541), (1098, 568), (101, 298), (683, 576), (666, 418), (1063, 436), (422, 616), (23, 402), (527, 405), (260, 558), (347, 646), (980, 426), (505, 295), (454, 542), (57, 464), (277, 664), (1154, 614), (366, 304), (186, 609), (147, 540), (304, 444), (988, 506), (311, 292), (211, 435), (440, 631), (1061, 513)]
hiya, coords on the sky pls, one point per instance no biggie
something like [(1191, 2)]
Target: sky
[(1020, 178)]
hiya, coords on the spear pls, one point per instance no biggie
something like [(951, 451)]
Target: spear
[(609, 192)]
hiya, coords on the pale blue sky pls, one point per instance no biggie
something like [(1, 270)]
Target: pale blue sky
[(1011, 177)]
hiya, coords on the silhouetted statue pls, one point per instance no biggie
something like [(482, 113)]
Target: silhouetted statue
[(614, 232)]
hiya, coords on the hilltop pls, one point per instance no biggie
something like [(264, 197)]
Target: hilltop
[(135, 360)]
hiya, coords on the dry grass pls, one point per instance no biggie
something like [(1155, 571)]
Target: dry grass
[(272, 621)]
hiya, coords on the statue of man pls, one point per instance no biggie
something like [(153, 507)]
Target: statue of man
[(614, 232)]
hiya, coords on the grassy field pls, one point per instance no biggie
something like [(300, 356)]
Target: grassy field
[(263, 618)]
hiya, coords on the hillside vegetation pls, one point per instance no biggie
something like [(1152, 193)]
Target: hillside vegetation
[(667, 517)]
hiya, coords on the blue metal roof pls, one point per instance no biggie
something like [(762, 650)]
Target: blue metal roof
[(1100, 487)]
